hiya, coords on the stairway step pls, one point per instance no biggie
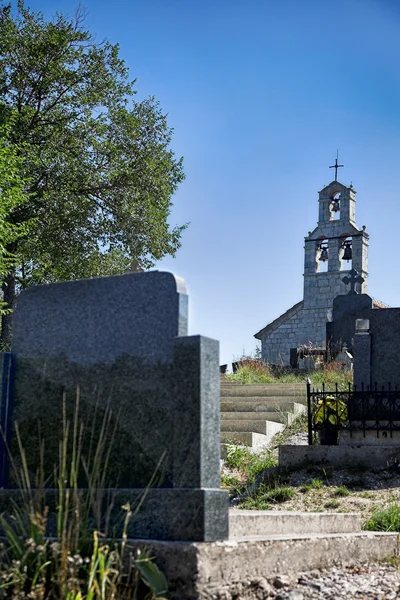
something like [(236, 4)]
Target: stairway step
[(246, 438), (260, 405), (277, 417), (289, 391), (268, 428), (249, 523)]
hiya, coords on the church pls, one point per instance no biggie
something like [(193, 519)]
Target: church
[(331, 251)]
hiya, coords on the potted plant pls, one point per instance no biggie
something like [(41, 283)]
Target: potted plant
[(329, 415)]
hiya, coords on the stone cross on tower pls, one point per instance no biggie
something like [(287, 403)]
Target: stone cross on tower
[(353, 279)]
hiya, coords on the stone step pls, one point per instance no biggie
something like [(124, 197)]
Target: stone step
[(277, 417), (260, 405), (250, 523), (253, 440), (225, 565), (288, 391), (268, 428)]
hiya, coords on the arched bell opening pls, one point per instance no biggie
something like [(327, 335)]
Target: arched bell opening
[(322, 255), (346, 253), (334, 206)]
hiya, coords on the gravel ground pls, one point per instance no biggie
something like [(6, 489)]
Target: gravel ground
[(374, 582), (369, 582)]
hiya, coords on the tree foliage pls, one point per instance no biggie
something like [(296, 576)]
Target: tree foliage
[(98, 169), (12, 196)]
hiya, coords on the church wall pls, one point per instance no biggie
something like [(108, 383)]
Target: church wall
[(308, 325), (321, 288)]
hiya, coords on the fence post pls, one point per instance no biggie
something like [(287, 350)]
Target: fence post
[(309, 415)]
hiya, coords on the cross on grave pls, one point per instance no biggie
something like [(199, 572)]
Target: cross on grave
[(336, 166), (353, 278)]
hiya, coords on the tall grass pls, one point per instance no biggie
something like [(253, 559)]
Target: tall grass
[(257, 371), (81, 560), (387, 519)]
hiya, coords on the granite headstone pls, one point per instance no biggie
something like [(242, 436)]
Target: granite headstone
[(121, 344), (346, 309)]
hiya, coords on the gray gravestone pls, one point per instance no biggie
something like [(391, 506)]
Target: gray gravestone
[(122, 341), (346, 309)]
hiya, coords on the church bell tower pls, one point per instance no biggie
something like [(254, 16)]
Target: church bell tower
[(335, 247)]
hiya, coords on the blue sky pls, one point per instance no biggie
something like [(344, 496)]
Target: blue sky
[(261, 94)]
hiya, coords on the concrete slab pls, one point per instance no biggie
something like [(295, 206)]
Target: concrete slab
[(268, 428), (277, 417), (249, 523), (369, 456), (261, 405), (370, 438), (204, 571), (287, 390), (247, 438)]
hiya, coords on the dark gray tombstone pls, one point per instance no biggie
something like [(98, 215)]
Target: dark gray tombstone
[(362, 355), (122, 341), (346, 309)]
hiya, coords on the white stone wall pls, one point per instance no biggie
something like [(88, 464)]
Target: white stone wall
[(308, 325)]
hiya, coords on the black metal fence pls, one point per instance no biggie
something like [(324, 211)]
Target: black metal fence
[(365, 409)]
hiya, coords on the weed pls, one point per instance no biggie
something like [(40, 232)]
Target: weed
[(250, 464), (387, 519), (368, 495), (238, 456), (314, 484), (257, 371), (258, 465), (255, 504), (298, 425), (75, 563), (332, 504), (280, 494), (229, 483), (342, 491)]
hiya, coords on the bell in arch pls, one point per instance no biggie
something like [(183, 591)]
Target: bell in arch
[(347, 254), (335, 206), (324, 254)]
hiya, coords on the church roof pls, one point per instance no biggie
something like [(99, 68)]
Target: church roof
[(379, 304), (336, 184), (279, 321)]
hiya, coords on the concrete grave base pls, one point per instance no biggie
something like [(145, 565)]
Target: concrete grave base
[(372, 456), (369, 438), (164, 513), (233, 568)]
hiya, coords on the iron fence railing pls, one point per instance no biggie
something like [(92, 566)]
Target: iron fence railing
[(365, 409)]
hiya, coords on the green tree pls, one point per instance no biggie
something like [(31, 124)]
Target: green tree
[(12, 196), (99, 170)]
